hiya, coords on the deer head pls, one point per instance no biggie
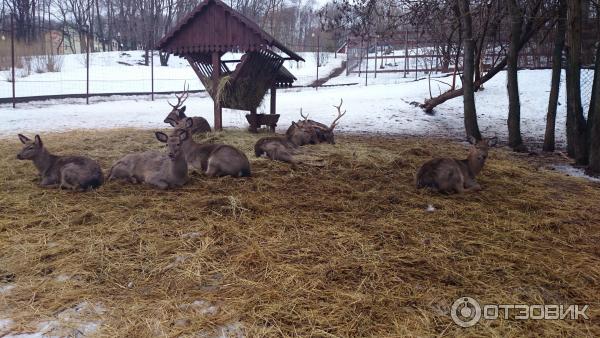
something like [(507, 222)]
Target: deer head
[(178, 111), (31, 149), (478, 152), (173, 142)]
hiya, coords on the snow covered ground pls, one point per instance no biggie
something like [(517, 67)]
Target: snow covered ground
[(120, 72), (382, 108)]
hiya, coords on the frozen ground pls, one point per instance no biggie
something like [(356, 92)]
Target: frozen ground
[(120, 72), (377, 108)]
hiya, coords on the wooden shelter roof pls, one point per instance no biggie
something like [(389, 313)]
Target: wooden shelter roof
[(215, 27)]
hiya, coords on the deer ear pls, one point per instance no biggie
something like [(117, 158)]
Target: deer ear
[(189, 122), (162, 137), (493, 141), (181, 112), (38, 141), (183, 135), (24, 139), (472, 140)]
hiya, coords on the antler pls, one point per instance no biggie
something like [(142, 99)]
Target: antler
[(304, 117), (340, 114), (181, 98)]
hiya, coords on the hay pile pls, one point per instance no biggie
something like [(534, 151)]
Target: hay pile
[(346, 249), (247, 94)]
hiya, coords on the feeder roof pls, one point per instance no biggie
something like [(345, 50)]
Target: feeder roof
[(215, 27)]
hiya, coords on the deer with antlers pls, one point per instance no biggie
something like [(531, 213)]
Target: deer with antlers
[(177, 114), (319, 132)]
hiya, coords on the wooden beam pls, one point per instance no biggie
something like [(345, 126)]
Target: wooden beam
[(216, 64), (273, 103)]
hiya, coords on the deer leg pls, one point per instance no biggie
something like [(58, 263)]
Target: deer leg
[(49, 182), (474, 186)]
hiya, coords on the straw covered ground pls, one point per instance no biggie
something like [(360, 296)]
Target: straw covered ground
[(345, 248)]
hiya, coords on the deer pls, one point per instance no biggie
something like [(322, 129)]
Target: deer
[(318, 132), (213, 159), (160, 170), (78, 173), (177, 114), (450, 175), (277, 148)]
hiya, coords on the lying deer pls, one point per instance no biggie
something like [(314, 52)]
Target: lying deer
[(301, 135), (177, 114), (317, 131), (211, 158), (447, 175), (70, 172), (155, 168), (277, 148)]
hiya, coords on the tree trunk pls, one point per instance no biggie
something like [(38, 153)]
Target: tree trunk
[(559, 45), (470, 114), (576, 126), (512, 81), (593, 115)]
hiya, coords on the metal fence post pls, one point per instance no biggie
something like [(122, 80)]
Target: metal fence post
[(12, 56), (367, 66), (152, 71), (87, 66)]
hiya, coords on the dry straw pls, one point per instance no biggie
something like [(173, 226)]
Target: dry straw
[(343, 249)]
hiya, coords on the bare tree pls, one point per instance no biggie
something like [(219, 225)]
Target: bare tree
[(576, 124), (559, 45), (512, 84), (470, 114)]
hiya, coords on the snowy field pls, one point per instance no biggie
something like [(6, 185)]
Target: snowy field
[(381, 107), (121, 72)]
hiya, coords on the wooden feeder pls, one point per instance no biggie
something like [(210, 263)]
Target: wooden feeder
[(213, 29)]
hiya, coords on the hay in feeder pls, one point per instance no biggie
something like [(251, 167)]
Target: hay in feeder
[(245, 93)]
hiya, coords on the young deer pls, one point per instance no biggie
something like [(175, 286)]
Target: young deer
[(177, 114), (155, 168), (447, 175), (277, 148), (70, 172), (213, 159)]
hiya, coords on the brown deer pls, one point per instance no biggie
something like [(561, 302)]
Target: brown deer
[(318, 132), (177, 114), (211, 158), (277, 148), (448, 175), (70, 172), (155, 168)]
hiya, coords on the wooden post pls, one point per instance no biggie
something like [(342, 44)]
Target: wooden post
[(216, 64), (273, 107), (254, 124)]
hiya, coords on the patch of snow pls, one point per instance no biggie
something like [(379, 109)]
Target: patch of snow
[(6, 288), (569, 170), (191, 235), (62, 278), (71, 322)]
